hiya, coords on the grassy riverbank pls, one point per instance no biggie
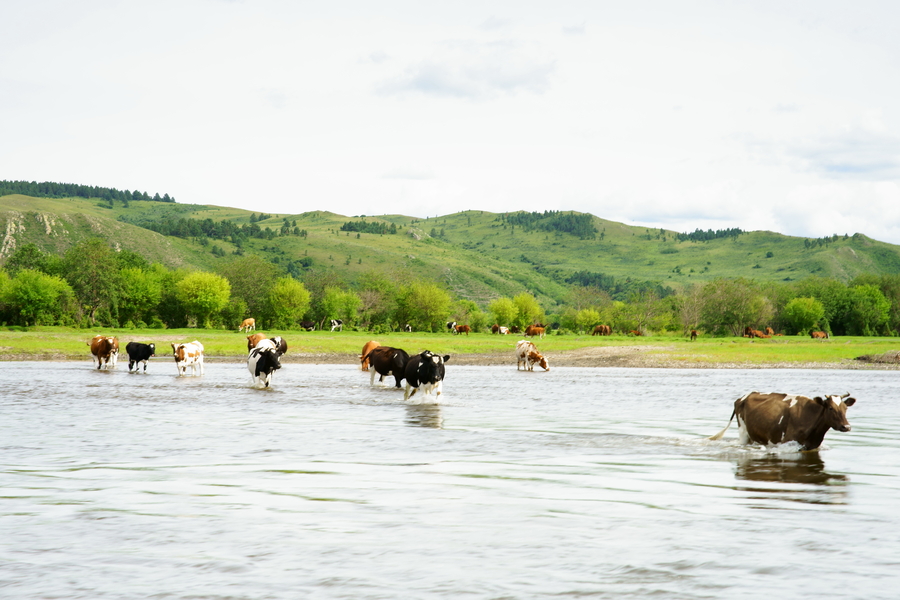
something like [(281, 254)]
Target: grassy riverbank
[(60, 343)]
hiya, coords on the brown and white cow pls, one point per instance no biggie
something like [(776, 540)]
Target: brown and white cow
[(189, 355), (779, 418), (527, 354), (105, 349), (364, 357), (247, 325), (253, 339)]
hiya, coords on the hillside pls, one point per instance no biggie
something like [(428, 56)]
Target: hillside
[(479, 255)]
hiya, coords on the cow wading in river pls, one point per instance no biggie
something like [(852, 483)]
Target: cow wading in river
[(105, 349), (779, 418), (384, 361), (188, 356), (425, 370), (139, 353), (263, 360)]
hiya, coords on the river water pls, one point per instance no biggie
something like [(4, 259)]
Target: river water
[(570, 483)]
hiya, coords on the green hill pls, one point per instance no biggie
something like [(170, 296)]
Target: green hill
[(479, 255)]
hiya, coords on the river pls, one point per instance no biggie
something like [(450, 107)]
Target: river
[(570, 483)]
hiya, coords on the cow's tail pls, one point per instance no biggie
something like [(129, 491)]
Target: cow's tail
[(719, 435)]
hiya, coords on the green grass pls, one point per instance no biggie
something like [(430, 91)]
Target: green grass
[(60, 343)]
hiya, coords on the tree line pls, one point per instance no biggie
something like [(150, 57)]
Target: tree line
[(92, 285), (49, 189)]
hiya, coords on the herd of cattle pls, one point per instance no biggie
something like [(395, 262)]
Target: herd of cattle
[(764, 419)]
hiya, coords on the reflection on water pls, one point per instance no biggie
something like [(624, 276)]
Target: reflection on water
[(787, 472), (424, 415)]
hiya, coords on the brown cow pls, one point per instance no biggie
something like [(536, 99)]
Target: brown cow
[(693, 334), (460, 329), (247, 325), (779, 418), (748, 331), (534, 330), (364, 357), (770, 332), (635, 332), (602, 330), (495, 328), (384, 361), (254, 339), (105, 349), (818, 335)]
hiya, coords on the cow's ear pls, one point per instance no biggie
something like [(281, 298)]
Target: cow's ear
[(821, 400), (850, 401), (447, 357)]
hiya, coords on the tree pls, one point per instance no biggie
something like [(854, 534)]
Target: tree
[(250, 277), (869, 310), (504, 310), (586, 318), (35, 298), (800, 315), (529, 311), (340, 304), (92, 270), (29, 256), (730, 305), (287, 303), (690, 308), (423, 305), (203, 294), (141, 292)]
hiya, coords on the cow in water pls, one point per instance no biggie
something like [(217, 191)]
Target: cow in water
[(247, 325), (263, 360), (364, 357), (105, 349), (384, 361), (189, 355), (254, 339), (139, 353), (779, 418), (425, 370)]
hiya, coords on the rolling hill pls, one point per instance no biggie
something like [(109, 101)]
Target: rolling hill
[(478, 254)]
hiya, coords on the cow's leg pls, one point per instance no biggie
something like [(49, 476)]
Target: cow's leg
[(372, 376)]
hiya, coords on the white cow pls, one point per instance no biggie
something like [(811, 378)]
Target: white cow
[(188, 355), (527, 354)]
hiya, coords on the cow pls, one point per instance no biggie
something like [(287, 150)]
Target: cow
[(460, 329), (534, 330), (407, 328), (105, 349), (748, 331), (602, 330), (495, 328), (527, 354), (426, 370), (384, 361), (364, 357), (635, 332), (247, 325), (451, 326), (515, 329), (770, 332), (337, 324), (816, 335), (779, 418), (262, 361), (188, 355), (307, 325), (254, 339), (504, 330), (693, 334), (280, 345), (139, 353)]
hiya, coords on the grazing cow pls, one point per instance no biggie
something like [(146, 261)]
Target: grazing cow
[(515, 329), (748, 331), (778, 418), (337, 324), (635, 332), (527, 354), (602, 330), (139, 353), (495, 328), (247, 325), (364, 357), (307, 325), (384, 361), (460, 329), (425, 370), (534, 330), (504, 330), (188, 355), (105, 349), (693, 334), (770, 332), (407, 328), (262, 361), (816, 335), (254, 339)]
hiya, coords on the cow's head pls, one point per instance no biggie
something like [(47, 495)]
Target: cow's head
[(538, 358), (152, 349), (836, 410), (431, 367), (178, 352)]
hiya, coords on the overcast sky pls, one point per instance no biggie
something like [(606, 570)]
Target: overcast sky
[(759, 115)]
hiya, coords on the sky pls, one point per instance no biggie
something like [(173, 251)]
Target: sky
[(764, 115)]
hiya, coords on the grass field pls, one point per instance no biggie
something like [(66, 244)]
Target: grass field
[(59, 343)]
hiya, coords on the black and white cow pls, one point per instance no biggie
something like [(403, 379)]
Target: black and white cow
[(263, 360), (425, 370), (280, 345), (307, 325), (407, 328), (139, 353), (337, 324), (451, 326)]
